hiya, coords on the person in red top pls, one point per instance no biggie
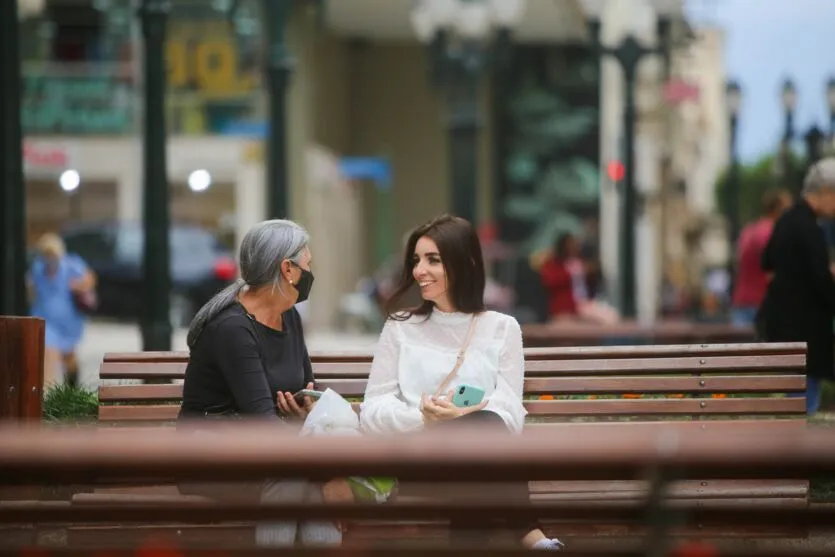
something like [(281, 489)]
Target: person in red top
[(565, 276), (559, 280), (751, 281)]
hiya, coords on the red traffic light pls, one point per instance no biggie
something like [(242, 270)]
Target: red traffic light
[(616, 171)]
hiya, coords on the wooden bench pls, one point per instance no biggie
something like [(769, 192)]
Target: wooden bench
[(660, 333), (33, 456), (727, 388)]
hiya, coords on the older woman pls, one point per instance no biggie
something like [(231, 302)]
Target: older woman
[(248, 358)]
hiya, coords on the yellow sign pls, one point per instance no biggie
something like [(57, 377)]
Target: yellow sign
[(253, 152), (203, 56)]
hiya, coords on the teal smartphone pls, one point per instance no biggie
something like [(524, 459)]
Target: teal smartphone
[(467, 395)]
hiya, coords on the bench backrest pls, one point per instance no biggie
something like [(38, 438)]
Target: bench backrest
[(664, 332), (700, 382)]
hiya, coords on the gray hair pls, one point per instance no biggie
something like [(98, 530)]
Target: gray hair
[(821, 176), (263, 248)]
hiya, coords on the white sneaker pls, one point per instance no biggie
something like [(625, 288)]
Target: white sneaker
[(548, 544)]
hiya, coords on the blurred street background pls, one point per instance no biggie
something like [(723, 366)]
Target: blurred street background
[(154, 134)]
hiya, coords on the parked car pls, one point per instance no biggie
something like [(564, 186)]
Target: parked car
[(200, 267)]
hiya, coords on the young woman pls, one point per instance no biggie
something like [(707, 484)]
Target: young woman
[(418, 349)]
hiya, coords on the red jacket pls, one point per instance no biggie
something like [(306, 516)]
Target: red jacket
[(557, 281), (751, 281)]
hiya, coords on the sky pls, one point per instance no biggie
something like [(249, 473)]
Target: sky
[(767, 41)]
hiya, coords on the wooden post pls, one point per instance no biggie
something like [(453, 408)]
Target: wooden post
[(21, 367)]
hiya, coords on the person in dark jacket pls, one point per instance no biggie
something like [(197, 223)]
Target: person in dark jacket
[(799, 304)]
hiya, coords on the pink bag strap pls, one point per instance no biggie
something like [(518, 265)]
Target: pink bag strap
[(459, 359)]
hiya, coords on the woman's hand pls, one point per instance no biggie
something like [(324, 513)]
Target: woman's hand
[(288, 406), (438, 409), (86, 283)]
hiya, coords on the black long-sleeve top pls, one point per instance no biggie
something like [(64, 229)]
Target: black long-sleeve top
[(239, 365)]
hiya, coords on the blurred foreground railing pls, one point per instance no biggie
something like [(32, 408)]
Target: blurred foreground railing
[(243, 451), (249, 452)]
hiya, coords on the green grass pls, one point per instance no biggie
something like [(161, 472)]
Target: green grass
[(65, 403), (828, 394)]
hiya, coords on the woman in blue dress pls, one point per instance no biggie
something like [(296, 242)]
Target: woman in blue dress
[(55, 278)]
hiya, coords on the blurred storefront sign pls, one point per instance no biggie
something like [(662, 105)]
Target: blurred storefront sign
[(46, 160), (213, 76), (204, 56), (80, 100), (677, 91)]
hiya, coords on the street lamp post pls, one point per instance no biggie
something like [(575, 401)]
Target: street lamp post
[(788, 97), (733, 100), (629, 54), (465, 38), (155, 321), (813, 138), (12, 192), (277, 72)]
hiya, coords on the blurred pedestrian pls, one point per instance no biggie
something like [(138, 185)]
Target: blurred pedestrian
[(565, 276), (751, 281), (799, 304), (61, 288)]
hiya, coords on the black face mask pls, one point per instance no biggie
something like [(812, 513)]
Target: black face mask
[(304, 284)]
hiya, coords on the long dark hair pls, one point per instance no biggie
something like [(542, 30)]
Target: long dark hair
[(460, 251)]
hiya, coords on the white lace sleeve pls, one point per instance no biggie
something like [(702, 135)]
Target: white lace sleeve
[(383, 411), (506, 401)]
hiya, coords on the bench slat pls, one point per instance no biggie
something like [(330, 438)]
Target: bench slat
[(729, 426), (534, 386), (230, 535), (559, 352), (177, 370), (662, 351), (721, 511), (680, 331), (660, 385), (732, 426), (647, 407), (533, 368), (600, 498), (717, 489), (143, 370), (682, 489), (645, 366), (609, 407)]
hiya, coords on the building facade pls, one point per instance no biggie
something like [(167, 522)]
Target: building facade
[(681, 149), (359, 88)]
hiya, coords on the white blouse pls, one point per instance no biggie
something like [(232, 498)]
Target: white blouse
[(413, 357)]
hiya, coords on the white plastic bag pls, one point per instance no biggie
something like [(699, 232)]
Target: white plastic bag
[(332, 415)]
